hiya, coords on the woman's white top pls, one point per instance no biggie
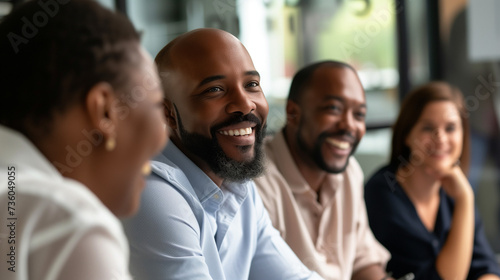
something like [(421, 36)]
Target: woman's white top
[(52, 227)]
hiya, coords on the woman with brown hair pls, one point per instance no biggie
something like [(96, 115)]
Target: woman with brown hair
[(80, 117), (421, 206)]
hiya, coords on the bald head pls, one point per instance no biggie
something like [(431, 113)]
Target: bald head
[(192, 50), (196, 42)]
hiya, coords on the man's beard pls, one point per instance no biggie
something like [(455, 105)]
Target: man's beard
[(209, 150), (316, 155)]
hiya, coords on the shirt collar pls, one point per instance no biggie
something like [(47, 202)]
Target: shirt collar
[(201, 184), (13, 141)]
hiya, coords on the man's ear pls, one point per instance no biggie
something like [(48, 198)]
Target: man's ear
[(100, 105), (292, 113), (170, 114)]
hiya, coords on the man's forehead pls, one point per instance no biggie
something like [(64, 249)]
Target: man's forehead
[(333, 73), (210, 54), (207, 63), (335, 83)]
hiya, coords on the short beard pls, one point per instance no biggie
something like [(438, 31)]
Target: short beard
[(316, 155), (209, 150)]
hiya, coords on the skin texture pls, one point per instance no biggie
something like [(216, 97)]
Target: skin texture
[(209, 80), (333, 107), (435, 142), (134, 118)]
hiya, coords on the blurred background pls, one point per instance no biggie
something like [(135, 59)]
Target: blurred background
[(394, 44)]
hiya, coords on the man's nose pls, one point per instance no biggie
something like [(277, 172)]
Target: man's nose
[(347, 121), (240, 101)]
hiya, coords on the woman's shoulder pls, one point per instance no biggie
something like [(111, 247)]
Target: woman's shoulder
[(63, 203), (383, 179)]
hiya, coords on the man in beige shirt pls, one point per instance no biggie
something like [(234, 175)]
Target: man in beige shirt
[(312, 187)]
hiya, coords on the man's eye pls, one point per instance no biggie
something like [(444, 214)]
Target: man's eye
[(253, 84), (213, 89), (333, 108), (360, 115)]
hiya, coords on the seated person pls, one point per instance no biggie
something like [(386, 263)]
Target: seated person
[(312, 186), (421, 206), (72, 153), (201, 216)]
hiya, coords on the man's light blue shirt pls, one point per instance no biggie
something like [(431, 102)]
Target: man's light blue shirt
[(189, 228)]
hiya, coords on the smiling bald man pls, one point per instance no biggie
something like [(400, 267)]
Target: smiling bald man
[(201, 216)]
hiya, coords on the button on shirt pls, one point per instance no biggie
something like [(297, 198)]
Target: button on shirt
[(330, 234), (396, 224), (189, 228)]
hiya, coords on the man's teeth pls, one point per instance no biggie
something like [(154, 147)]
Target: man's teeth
[(339, 144), (237, 132)]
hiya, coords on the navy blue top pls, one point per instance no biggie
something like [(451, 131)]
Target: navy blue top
[(396, 224)]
